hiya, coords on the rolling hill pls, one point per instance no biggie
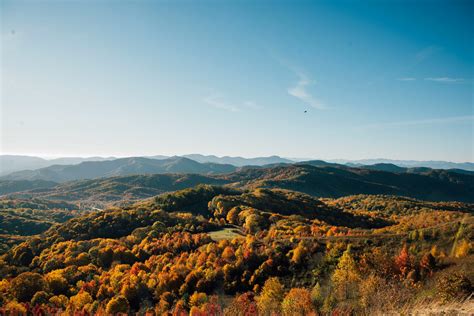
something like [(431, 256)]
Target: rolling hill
[(131, 187), (119, 167), (328, 181), (316, 178)]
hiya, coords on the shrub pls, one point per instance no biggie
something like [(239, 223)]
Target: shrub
[(454, 286)]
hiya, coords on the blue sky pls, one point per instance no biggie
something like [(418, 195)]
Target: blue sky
[(390, 79)]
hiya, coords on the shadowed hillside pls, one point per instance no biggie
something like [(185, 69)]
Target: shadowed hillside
[(329, 181), (316, 178)]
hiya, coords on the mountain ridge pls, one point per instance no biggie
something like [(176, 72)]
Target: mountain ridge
[(316, 178), (122, 166)]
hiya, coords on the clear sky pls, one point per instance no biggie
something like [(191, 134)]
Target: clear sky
[(390, 79)]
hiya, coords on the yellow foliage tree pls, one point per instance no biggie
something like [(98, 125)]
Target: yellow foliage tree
[(15, 308), (80, 300), (462, 248), (197, 299), (270, 298), (346, 276)]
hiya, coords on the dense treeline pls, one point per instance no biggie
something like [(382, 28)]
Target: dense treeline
[(294, 255)]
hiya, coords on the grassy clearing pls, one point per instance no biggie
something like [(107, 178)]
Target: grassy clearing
[(226, 233)]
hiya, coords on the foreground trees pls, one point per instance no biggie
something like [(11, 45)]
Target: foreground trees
[(145, 260)]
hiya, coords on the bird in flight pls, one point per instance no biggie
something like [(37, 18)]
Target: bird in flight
[(305, 111)]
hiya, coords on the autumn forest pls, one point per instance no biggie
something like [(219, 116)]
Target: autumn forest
[(232, 250)]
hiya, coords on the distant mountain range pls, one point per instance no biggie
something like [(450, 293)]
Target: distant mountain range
[(394, 168), (119, 167), (317, 178), (239, 161), (12, 163), (433, 164)]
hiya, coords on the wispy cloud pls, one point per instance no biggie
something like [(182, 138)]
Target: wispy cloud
[(300, 90), (430, 121), (407, 79), (219, 102), (446, 79)]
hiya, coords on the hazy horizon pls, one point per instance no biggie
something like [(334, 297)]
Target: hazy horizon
[(296, 159), (235, 79)]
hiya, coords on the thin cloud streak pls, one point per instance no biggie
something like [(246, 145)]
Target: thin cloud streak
[(300, 90), (406, 79), (445, 79), (432, 121)]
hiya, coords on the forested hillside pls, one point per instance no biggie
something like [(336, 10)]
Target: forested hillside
[(316, 178), (217, 250), (329, 181), (21, 218), (111, 189)]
